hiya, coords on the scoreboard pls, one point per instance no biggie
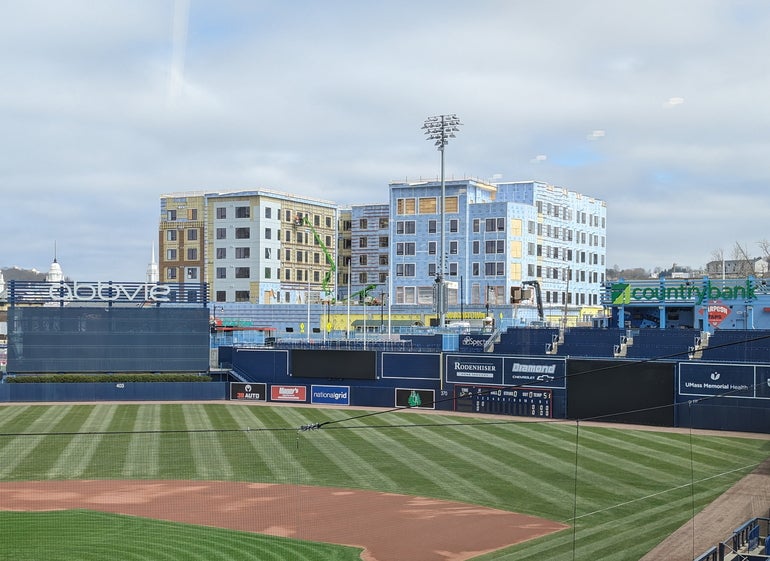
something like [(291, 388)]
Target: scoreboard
[(520, 402)]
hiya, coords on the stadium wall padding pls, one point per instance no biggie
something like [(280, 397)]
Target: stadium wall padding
[(128, 391)]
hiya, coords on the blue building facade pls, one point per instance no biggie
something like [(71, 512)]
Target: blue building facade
[(497, 237)]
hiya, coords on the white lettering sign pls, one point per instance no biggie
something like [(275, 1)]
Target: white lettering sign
[(106, 292)]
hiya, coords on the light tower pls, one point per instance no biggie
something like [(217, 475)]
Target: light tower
[(440, 128)]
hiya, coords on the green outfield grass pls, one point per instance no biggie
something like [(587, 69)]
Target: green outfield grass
[(625, 490)]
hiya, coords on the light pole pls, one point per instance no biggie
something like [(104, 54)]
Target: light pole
[(440, 128)]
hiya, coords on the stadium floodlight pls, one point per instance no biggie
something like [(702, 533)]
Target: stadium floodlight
[(439, 129)]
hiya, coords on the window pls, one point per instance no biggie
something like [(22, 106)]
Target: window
[(406, 248), (242, 252), (316, 257), (267, 272), (221, 296), (328, 241), (192, 254), (192, 214), (316, 220), (453, 269), (242, 233), (362, 260), (241, 295), (384, 223), (242, 212), (428, 205), (453, 248), (287, 274), (383, 278), (171, 255), (170, 235), (268, 214), (362, 242), (451, 204), (221, 213), (431, 269), (287, 237), (495, 246), (363, 223), (454, 225), (221, 233), (431, 248), (268, 233), (405, 206), (405, 227), (405, 270), (328, 221), (192, 273), (432, 226), (221, 272), (192, 234), (287, 254), (268, 253), (171, 273), (362, 278), (384, 242), (171, 215), (476, 246), (299, 257), (383, 258), (476, 225), (475, 268), (221, 253), (242, 272)]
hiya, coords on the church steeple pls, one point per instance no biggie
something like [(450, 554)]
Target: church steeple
[(153, 274), (55, 273)]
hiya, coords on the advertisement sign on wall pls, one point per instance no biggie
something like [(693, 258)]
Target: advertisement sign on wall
[(730, 380), (252, 391), (474, 369), (332, 395), (415, 398), (288, 393), (541, 373)]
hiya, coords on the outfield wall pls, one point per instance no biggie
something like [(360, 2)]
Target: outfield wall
[(656, 393), (719, 396)]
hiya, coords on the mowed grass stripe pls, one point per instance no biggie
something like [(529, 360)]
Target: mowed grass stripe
[(703, 451), (8, 416), (176, 459), (549, 485), (606, 475), (210, 460), (16, 449), (428, 460), (143, 453), (272, 453), (333, 448), (80, 449)]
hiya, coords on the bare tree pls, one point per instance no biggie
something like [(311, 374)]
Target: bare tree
[(744, 265)]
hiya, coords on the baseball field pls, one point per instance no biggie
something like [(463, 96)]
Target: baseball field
[(234, 481)]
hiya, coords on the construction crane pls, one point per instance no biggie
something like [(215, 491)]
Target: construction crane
[(361, 295), (538, 297), (517, 294), (329, 275)]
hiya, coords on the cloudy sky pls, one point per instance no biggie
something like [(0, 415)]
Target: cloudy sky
[(658, 107)]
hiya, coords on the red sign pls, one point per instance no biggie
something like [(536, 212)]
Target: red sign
[(717, 312), (288, 393)]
